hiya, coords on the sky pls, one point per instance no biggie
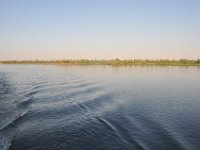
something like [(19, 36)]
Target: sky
[(99, 29)]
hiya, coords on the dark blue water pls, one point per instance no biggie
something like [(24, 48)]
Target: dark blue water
[(45, 107)]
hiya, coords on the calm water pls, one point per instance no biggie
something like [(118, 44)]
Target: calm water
[(99, 108)]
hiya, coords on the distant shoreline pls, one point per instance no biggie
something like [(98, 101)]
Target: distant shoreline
[(113, 62)]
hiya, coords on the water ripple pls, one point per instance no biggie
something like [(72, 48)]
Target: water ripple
[(55, 108)]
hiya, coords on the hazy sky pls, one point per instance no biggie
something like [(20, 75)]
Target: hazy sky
[(57, 29)]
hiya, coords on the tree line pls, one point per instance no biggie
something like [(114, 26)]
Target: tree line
[(183, 62)]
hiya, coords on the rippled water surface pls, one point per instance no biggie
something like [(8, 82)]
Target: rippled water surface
[(45, 107)]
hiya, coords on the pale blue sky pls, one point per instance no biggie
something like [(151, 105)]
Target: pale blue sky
[(57, 29)]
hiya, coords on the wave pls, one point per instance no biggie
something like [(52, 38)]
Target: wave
[(154, 131), (122, 136), (14, 121), (25, 103)]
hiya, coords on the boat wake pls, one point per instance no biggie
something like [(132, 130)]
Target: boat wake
[(5, 142), (6, 132)]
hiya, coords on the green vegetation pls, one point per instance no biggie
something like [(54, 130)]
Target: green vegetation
[(164, 62)]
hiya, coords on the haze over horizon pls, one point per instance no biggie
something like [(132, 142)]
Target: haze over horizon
[(99, 29)]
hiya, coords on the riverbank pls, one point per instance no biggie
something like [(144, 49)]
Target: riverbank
[(163, 62)]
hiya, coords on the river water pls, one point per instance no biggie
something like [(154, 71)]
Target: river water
[(49, 107)]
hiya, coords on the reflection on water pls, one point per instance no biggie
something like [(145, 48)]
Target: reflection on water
[(99, 108)]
